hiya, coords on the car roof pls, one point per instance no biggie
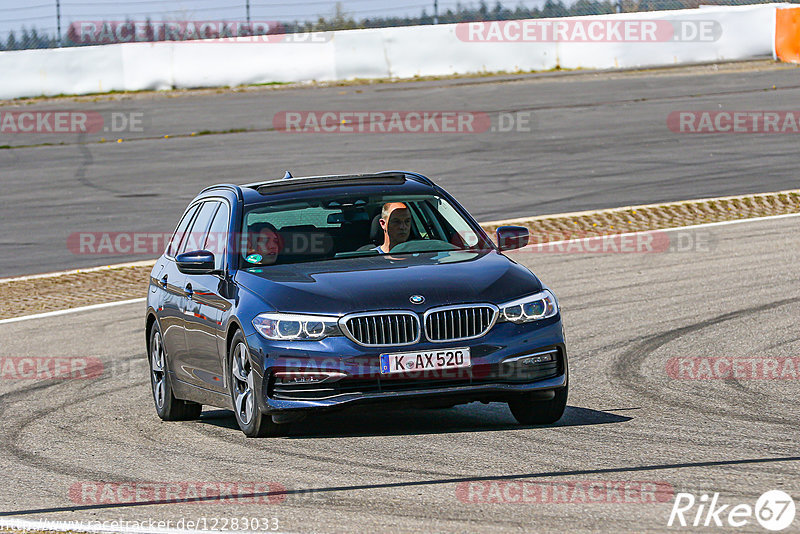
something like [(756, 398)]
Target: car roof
[(264, 190)]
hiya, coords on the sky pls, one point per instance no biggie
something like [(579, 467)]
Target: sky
[(42, 13)]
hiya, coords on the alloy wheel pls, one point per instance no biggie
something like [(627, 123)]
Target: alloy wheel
[(158, 371), (243, 384)]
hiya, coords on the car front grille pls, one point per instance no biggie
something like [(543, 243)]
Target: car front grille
[(397, 328), (382, 329), (457, 323)]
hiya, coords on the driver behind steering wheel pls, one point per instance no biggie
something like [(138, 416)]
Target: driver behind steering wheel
[(396, 224)]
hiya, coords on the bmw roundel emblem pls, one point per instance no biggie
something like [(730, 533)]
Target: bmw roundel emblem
[(416, 299)]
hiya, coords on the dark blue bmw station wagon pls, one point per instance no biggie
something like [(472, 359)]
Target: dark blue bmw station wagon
[(288, 297)]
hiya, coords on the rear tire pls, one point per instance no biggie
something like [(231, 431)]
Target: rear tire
[(241, 377), (528, 410), (168, 407)]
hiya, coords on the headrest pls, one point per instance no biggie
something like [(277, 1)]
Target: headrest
[(257, 228), (375, 230)]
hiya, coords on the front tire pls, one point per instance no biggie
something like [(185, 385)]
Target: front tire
[(241, 375), (528, 410), (168, 407)]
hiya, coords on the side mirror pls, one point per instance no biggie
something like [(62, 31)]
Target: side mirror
[(512, 237), (196, 262)]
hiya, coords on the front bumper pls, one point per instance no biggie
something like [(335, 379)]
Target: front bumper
[(487, 380), (466, 393)]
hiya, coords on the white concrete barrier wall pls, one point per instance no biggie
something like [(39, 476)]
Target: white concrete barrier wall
[(56, 71), (745, 32), (145, 66), (203, 64), (410, 51)]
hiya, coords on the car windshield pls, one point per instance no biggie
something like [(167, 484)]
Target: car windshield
[(353, 226)]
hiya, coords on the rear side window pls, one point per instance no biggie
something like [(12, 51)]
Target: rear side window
[(197, 235), (217, 239), (180, 232)]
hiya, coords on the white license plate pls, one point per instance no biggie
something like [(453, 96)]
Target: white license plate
[(403, 362)]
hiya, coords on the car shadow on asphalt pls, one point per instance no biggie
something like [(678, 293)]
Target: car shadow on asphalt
[(385, 422)]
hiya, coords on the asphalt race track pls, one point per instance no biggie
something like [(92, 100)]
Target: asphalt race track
[(733, 294), (593, 141)]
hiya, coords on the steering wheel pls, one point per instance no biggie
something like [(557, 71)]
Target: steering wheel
[(423, 245)]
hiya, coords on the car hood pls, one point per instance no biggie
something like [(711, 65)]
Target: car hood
[(387, 282)]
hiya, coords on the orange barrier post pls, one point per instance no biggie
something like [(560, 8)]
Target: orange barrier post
[(787, 34)]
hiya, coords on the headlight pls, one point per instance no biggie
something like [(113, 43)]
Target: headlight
[(293, 327), (533, 308)]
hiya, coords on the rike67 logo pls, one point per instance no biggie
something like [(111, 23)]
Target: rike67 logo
[(774, 510)]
